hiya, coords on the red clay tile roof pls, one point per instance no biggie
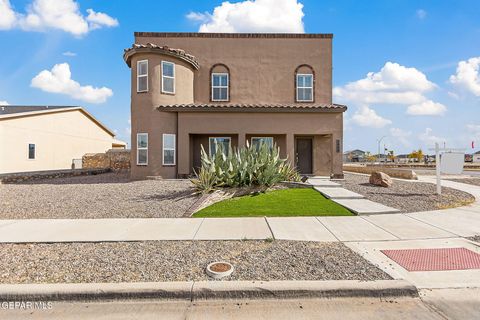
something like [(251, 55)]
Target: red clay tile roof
[(151, 47), (240, 107)]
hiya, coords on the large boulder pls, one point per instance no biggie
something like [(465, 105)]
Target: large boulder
[(380, 179)]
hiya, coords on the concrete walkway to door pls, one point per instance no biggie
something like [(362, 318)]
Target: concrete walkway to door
[(439, 224)]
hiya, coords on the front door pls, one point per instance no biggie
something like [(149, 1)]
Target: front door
[(304, 155)]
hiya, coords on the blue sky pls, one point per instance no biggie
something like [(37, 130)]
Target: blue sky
[(418, 98)]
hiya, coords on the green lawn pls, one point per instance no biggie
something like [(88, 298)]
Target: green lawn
[(279, 203)]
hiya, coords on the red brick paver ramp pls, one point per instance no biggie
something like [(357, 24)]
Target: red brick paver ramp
[(441, 259)]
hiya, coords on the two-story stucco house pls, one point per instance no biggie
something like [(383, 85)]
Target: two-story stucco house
[(193, 89)]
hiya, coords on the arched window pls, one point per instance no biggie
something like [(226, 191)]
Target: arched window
[(304, 83), (220, 83)]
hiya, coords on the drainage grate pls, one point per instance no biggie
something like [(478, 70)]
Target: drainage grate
[(435, 259)]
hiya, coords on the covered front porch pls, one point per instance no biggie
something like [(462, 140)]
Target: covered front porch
[(311, 154)]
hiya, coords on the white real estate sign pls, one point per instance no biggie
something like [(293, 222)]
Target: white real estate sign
[(452, 162)]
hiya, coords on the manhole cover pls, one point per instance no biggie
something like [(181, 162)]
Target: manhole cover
[(219, 269), (441, 259)]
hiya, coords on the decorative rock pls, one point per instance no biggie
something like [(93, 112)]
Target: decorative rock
[(380, 179)]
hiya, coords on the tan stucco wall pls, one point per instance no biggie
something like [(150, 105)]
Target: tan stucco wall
[(58, 138), (261, 69)]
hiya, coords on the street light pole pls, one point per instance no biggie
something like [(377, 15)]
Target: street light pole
[(379, 142)]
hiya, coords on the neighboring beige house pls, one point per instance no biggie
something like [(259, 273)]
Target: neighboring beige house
[(194, 89), (476, 157), (37, 138)]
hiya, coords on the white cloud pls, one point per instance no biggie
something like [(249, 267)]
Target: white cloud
[(59, 80), (427, 108), (4, 103), (429, 139), (69, 54), (401, 136), (367, 117), (7, 15), (42, 15), (467, 76), (421, 14), (99, 19), (253, 16), (128, 129), (474, 131), (393, 84)]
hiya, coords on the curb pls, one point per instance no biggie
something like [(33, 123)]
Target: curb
[(206, 290)]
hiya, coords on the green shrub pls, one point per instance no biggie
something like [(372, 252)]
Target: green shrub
[(243, 167)]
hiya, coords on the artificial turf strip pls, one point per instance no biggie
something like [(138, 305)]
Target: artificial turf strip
[(279, 203)]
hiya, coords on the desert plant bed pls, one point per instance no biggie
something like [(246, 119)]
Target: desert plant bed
[(407, 196), (278, 203), (152, 261)]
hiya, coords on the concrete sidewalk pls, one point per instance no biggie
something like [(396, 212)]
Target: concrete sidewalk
[(449, 223), (438, 224)]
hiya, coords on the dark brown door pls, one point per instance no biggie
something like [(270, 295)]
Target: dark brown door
[(304, 155)]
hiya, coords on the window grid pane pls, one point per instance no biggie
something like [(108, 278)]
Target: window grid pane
[(223, 141), (266, 140), (168, 84), (219, 87), (169, 149), (305, 87), (168, 69), (142, 83), (142, 141), (31, 151), (142, 156), (142, 68)]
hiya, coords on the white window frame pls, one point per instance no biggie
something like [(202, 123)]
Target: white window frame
[(174, 149), (143, 148), (251, 139), (211, 139), (34, 151), (141, 75), (298, 87), (163, 76), (220, 86)]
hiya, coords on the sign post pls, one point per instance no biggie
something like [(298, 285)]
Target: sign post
[(437, 168), (453, 163)]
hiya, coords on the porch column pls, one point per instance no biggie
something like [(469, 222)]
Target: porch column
[(183, 159), (241, 140), (290, 145)]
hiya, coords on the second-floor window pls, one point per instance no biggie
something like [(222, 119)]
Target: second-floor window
[(142, 76), (304, 87), (168, 77), (219, 86)]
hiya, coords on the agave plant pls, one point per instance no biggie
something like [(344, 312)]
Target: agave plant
[(246, 166)]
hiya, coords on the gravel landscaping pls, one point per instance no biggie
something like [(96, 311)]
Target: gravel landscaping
[(407, 196), (180, 261), (472, 181), (109, 195)]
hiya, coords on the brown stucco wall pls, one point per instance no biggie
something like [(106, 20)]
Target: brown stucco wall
[(146, 119), (324, 127), (261, 69)]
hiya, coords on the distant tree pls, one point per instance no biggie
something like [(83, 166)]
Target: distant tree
[(391, 155), (417, 155), (369, 157)]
